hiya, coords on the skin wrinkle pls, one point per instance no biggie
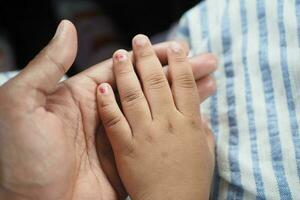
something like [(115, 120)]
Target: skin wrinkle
[(65, 86), (60, 66), (155, 81), (132, 97), (89, 140), (108, 155), (78, 116), (69, 102)]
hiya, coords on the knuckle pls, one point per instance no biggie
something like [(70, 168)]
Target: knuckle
[(195, 123), (132, 97), (185, 81), (180, 58), (145, 53), (59, 65), (122, 71), (155, 81), (112, 120), (106, 106)]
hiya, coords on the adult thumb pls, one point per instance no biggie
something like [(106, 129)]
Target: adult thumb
[(49, 66)]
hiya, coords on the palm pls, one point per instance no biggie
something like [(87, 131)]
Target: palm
[(47, 142), (80, 90), (77, 113), (59, 143)]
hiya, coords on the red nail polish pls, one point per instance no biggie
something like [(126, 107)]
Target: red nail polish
[(103, 88), (121, 57)]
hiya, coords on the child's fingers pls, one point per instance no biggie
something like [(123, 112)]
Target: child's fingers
[(155, 84), (183, 83), (114, 122), (202, 66), (160, 50), (134, 103)]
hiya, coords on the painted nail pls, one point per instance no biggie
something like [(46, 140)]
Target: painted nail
[(176, 47), (104, 88), (121, 55), (140, 40)]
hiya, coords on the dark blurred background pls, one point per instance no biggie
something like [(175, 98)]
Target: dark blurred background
[(103, 26)]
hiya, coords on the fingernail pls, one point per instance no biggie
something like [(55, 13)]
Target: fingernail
[(59, 29), (213, 62), (121, 56), (176, 47), (140, 40), (211, 84), (104, 88)]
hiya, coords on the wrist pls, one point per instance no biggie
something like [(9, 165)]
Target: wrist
[(174, 193)]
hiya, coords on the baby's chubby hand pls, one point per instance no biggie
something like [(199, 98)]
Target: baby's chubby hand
[(162, 149)]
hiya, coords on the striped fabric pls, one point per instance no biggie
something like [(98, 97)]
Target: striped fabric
[(256, 111)]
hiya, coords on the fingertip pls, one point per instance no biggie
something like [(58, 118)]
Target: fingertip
[(185, 46), (63, 26), (105, 98), (210, 60), (213, 61), (104, 89), (178, 59), (140, 40), (211, 85), (66, 31), (142, 45), (176, 48), (203, 65), (104, 94), (120, 55), (206, 87), (64, 44)]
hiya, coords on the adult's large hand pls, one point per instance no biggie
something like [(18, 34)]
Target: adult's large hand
[(47, 130)]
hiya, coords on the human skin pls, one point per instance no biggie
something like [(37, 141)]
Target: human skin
[(162, 148), (51, 142)]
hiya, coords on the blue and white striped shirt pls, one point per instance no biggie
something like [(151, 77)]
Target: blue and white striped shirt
[(255, 112)]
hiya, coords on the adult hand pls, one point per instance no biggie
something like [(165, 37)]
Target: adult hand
[(48, 129)]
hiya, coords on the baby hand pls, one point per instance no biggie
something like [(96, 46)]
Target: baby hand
[(162, 149)]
